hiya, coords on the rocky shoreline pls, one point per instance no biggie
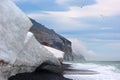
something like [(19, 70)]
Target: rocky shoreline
[(50, 72), (44, 72)]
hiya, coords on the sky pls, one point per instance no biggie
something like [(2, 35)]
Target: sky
[(93, 24)]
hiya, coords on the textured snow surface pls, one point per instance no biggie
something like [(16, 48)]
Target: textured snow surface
[(18, 47), (28, 37), (57, 53), (14, 25), (33, 54)]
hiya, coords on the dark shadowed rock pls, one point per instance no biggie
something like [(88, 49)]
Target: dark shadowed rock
[(50, 38), (41, 73), (52, 68)]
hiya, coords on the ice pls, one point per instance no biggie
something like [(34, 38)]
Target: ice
[(18, 47), (29, 35), (14, 25), (34, 54), (57, 53)]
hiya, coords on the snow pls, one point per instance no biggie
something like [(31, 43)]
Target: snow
[(18, 46), (29, 35), (34, 54), (57, 53), (4, 57), (14, 25)]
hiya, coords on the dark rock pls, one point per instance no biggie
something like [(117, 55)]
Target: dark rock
[(53, 68), (50, 38), (40, 74)]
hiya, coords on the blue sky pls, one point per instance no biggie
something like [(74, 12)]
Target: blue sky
[(95, 23)]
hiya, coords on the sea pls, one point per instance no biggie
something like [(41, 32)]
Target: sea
[(105, 70)]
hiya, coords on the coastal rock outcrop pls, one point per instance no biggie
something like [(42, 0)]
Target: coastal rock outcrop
[(50, 38)]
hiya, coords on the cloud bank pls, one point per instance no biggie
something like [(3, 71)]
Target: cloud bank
[(79, 48)]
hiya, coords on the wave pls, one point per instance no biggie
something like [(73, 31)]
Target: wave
[(106, 72)]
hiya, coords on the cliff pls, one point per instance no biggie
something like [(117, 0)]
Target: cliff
[(50, 38)]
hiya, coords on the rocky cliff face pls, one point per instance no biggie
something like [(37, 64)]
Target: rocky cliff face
[(50, 38)]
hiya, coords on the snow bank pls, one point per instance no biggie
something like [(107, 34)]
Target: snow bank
[(14, 25), (34, 54), (57, 53), (28, 37), (19, 49)]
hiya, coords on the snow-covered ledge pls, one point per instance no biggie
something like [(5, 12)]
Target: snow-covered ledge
[(57, 53)]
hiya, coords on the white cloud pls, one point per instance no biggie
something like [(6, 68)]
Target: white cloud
[(104, 34), (103, 7), (60, 22), (79, 47), (29, 1), (64, 20), (20, 0), (91, 53), (106, 28), (113, 45), (61, 2), (100, 41)]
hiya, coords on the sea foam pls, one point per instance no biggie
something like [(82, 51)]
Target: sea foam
[(107, 72)]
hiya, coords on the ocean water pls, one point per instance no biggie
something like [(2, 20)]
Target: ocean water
[(107, 70)]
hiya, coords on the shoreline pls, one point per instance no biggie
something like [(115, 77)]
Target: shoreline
[(50, 72), (69, 71)]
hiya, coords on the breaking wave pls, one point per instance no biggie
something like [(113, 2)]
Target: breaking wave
[(106, 72)]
